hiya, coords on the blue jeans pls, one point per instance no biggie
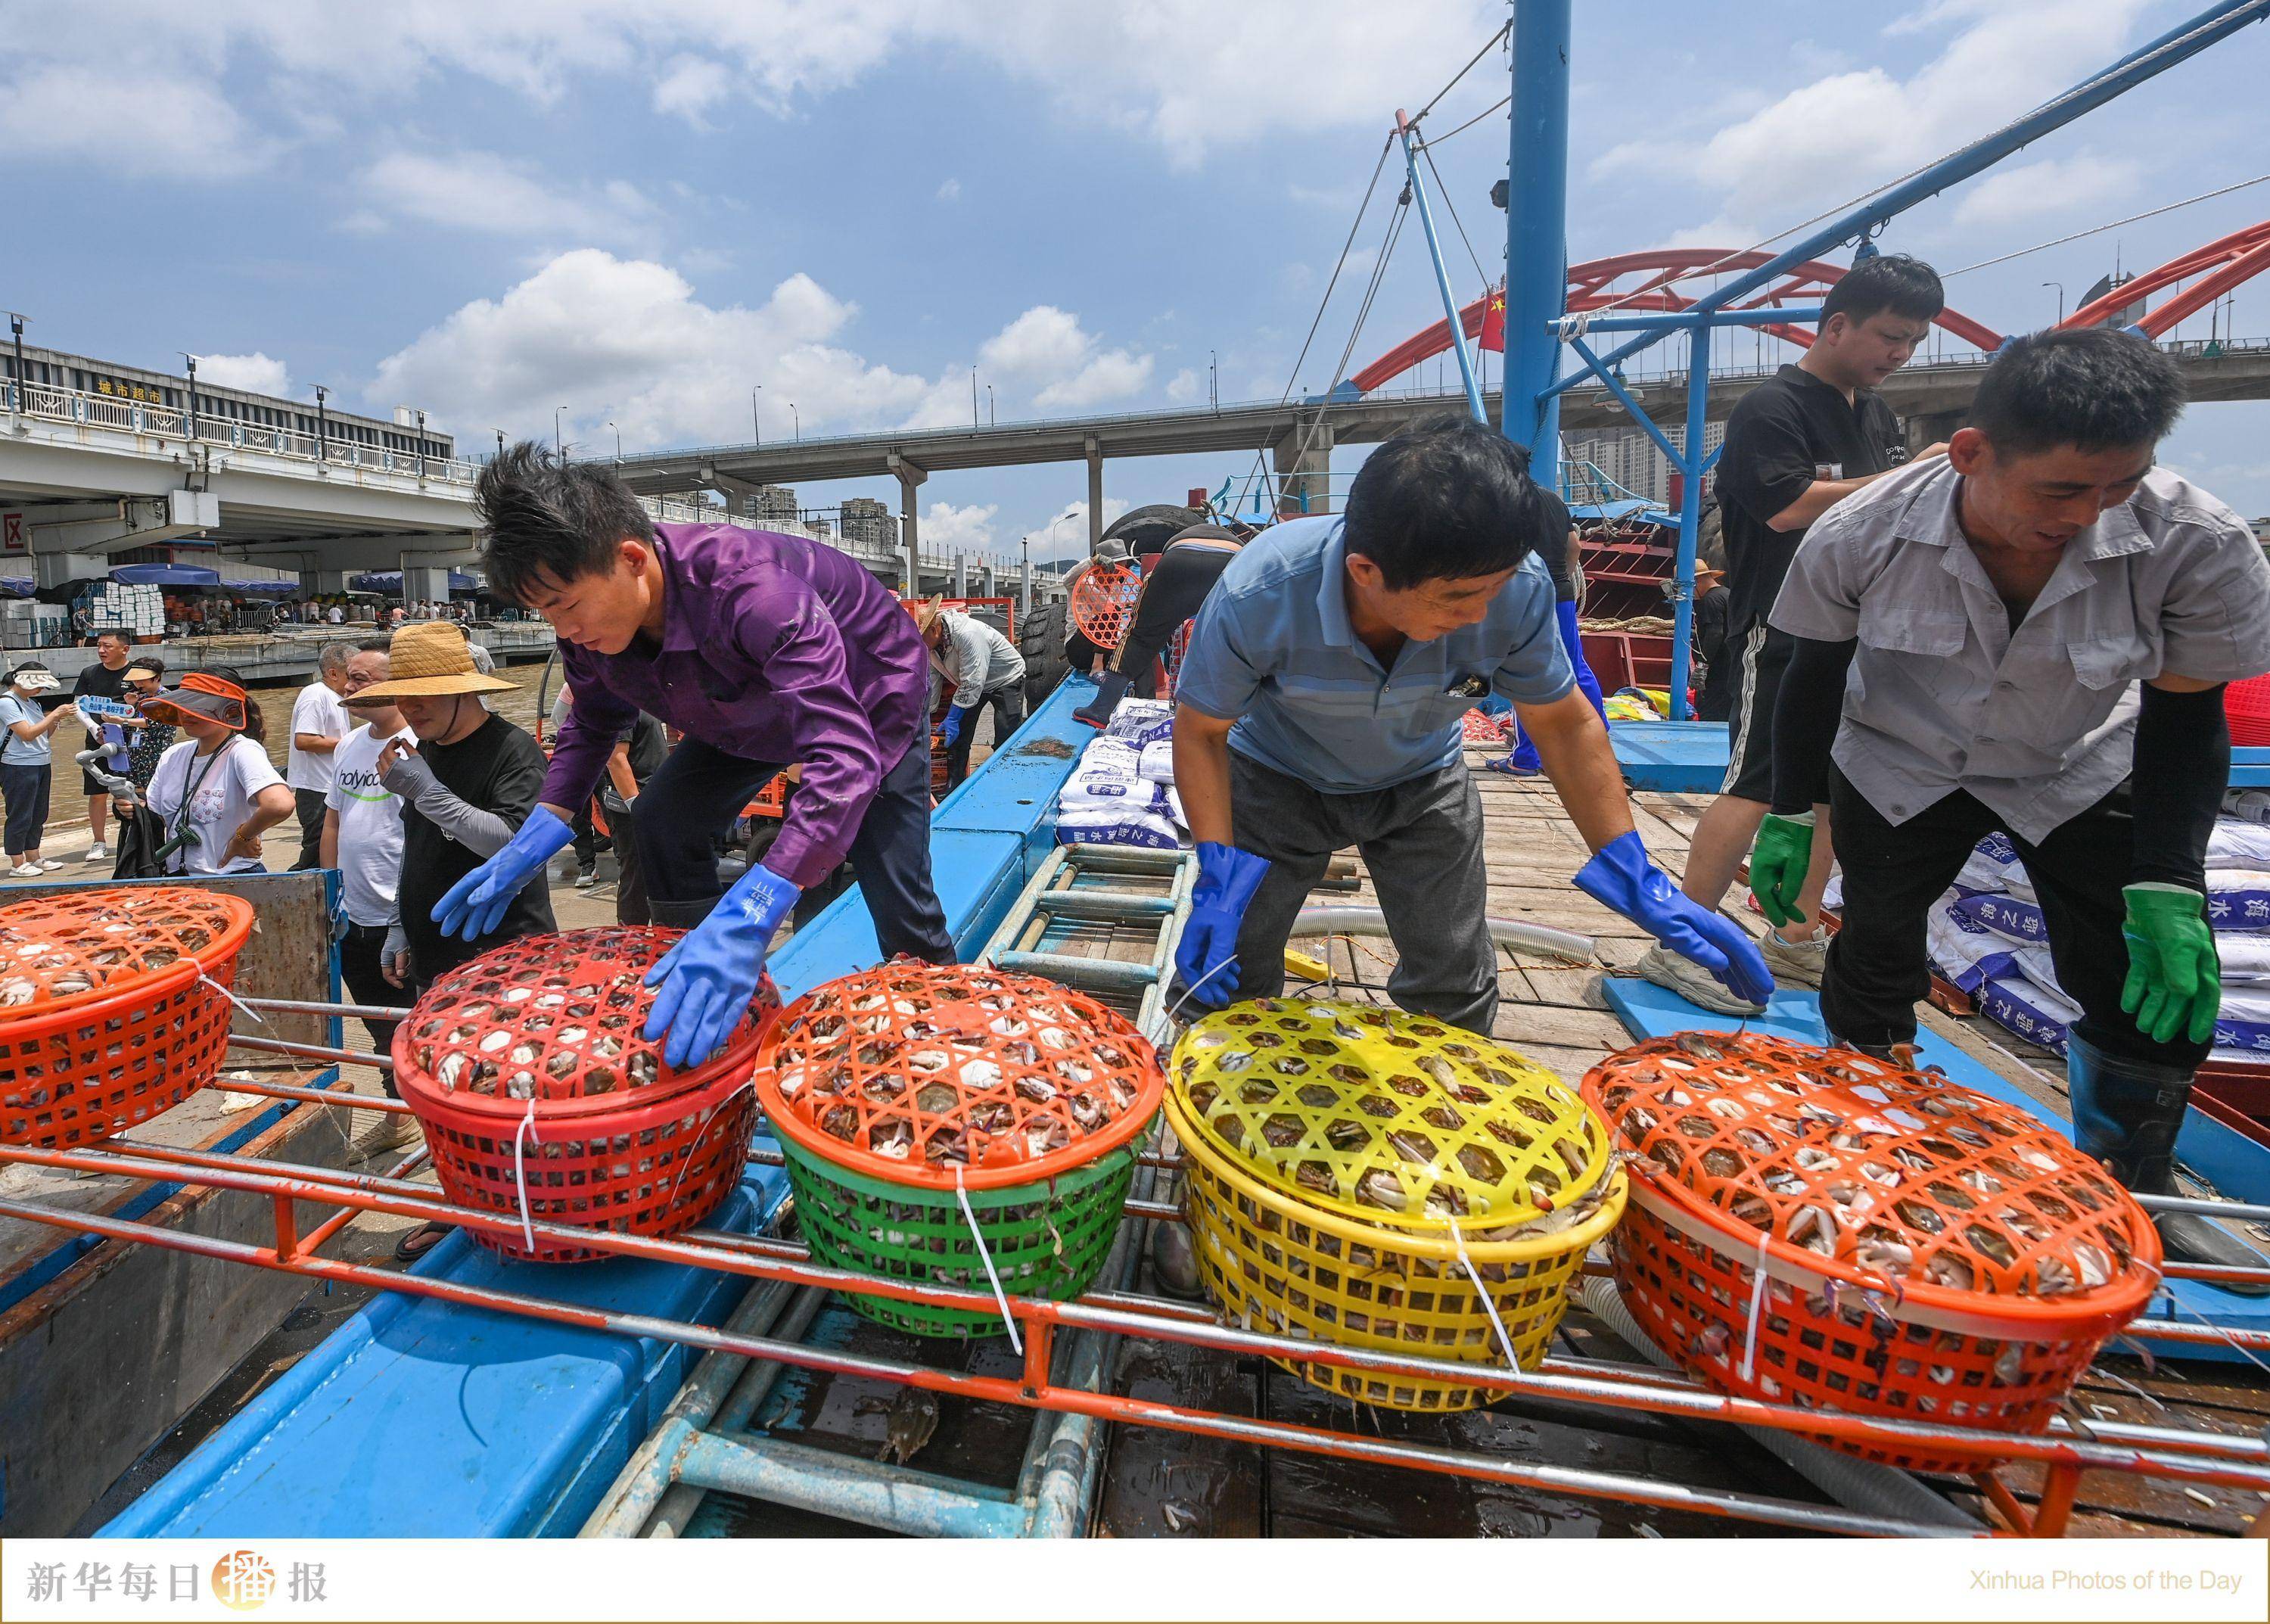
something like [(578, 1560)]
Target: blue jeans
[(1564, 615)]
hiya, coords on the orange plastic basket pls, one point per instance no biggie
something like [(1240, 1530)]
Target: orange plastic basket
[(1925, 1252), (112, 1007), (538, 1097), (1103, 600), (936, 1074)]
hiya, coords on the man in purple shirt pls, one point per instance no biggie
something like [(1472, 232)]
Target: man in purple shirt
[(763, 650)]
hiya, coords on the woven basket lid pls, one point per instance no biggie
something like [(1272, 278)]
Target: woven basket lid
[(70, 948), (1101, 600), (556, 1018), (1903, 1176), (923, 1074), (1388, 1118)]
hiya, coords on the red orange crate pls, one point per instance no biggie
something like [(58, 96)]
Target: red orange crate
[(114, 1008), (1923, 1253), (542, 1101)]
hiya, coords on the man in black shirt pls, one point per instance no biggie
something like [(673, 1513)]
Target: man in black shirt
[(106, 680), (639, 753), (1715, 700), (1796, 445), (465, 790)]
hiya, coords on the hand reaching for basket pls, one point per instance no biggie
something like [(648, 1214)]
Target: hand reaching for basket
[(708, 980)]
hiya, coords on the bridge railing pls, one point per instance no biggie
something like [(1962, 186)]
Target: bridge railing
[(95, 411)]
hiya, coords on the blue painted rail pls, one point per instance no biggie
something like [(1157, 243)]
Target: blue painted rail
[(424, 1419)]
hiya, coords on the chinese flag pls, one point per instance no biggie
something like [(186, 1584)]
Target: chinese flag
[(1493, 324)]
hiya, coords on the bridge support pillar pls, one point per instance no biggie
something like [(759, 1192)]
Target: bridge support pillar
[(1094, 493), (423, 585), (909, 477), (985, 581), (1928, 428), (322, 582), (1303, 460), (961, 574)]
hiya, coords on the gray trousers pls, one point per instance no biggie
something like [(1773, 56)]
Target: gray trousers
[(1422, 842)]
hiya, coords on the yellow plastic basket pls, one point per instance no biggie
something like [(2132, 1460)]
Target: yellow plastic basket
[(1290, 1112)]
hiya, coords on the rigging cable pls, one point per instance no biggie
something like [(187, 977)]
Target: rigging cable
[(2130, 220)]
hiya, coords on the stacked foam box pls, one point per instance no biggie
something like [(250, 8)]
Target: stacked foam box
[(115, 605), (1122, 791)]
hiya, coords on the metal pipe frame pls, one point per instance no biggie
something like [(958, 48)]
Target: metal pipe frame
[(2175, 1454), (1408, 135)]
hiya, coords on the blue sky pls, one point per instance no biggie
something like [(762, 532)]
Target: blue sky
[(639, 213)]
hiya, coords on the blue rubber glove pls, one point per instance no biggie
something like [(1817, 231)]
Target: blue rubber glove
[(708, 978), (1620, 877), (949, 732), (475, 905), (1227, 878)]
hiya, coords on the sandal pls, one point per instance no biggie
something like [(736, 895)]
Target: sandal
[(1504, 764), (420, 1241)]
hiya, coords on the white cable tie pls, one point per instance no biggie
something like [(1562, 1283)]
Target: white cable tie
[(231, 997), (961, 1194), (1757, 1307), (1201, 982), (1458, 1241), (525, 1131)]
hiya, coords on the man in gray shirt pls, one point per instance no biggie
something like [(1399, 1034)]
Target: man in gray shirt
[(2030, 635)]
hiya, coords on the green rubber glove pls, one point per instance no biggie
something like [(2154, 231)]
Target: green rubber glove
[(2174, 981), (1778, 865)]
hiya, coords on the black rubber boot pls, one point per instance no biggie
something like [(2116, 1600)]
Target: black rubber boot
[(1110, 688), (2127, 1114)]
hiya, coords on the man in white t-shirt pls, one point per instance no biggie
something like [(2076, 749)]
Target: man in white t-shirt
[(319, 722), (362, 839)]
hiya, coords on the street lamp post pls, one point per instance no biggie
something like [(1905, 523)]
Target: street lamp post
[(618, 442), (795, 422), (756, 423), (16, 327), (322, 425), (988, 406), (421, 445), (2060, 288), (973, 397), (1214, 380), (559, 444), (193, 392), (1025, 574), (500, 434)]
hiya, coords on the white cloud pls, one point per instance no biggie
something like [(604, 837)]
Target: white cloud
[(2050, 186), (626, 340), (949, 190), (959, 530), (1183, 387), (1175, 73), (1113, 375), (691, 88), (158, 126), (484, 192), (1047, 350), (260, 373), (1846, 131)]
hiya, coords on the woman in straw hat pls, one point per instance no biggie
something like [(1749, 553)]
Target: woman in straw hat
[(761, 650), (216, 792), (468, 786)]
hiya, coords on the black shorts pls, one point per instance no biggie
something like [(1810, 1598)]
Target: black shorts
[(89, 786), (1759, 657)]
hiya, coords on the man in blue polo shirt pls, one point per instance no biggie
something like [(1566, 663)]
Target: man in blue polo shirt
[(1320, 707)]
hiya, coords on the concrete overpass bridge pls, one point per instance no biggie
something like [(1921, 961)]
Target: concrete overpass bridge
[(85, 477), (1299, 436)]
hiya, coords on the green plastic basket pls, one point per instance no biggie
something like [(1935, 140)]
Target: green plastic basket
[(1047, 1239)]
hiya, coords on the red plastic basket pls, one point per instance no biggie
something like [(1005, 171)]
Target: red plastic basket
[(1925, 1253), (2246, 705), (539, 1097), (1102, 600), (111, 1007)]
